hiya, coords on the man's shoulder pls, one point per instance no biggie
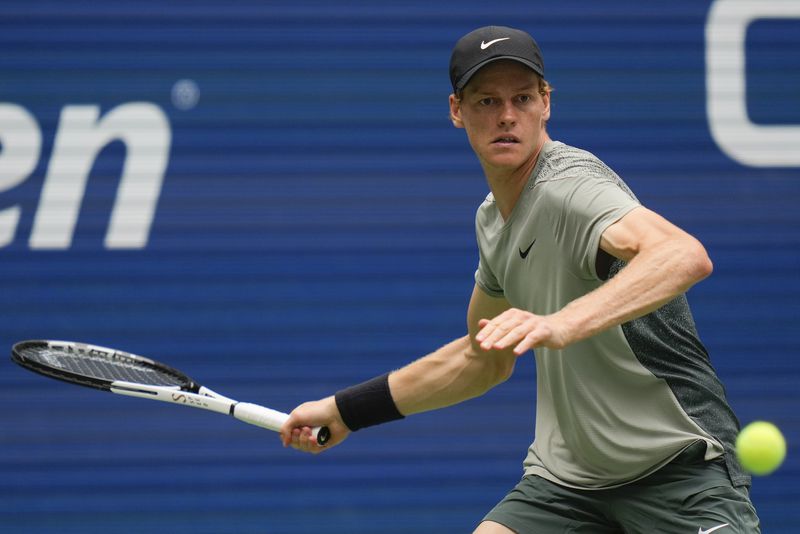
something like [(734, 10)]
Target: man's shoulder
[(564, 161), (567, 168), (487, 211)]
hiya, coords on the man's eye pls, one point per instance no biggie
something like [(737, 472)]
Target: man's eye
[(524, 99), (486, 101)]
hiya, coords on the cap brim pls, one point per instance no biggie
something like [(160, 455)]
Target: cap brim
[(471, 72)]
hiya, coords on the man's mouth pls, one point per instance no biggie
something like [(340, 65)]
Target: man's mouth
[(506, 140)]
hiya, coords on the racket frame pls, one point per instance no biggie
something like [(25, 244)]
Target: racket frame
[(86, 348)]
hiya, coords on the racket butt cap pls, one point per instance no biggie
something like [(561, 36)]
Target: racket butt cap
[(323, 436)]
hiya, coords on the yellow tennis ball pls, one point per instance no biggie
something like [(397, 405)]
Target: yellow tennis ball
[(760, 447)]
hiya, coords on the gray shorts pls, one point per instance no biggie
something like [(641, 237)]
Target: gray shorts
[(687, 495)]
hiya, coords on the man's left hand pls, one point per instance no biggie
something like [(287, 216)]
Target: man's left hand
[(523, 330)]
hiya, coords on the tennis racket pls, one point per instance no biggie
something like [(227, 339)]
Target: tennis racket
[(127, 374)]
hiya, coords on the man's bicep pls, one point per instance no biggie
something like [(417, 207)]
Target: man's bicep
[(636, 230), (483, 306)]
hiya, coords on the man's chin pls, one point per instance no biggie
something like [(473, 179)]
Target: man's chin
[(506, 161)]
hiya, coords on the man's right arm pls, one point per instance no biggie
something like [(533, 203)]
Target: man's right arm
[(456, 372)]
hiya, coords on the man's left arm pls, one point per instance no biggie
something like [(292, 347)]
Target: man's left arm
[(663, 262)]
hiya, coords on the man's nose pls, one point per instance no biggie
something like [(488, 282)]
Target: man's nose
[(508, 115)]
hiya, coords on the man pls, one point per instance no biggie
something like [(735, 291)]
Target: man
[(633, 431)]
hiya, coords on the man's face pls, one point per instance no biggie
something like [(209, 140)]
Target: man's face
[(503, 114)]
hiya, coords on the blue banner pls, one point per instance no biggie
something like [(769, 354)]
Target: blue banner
[(270, 196)]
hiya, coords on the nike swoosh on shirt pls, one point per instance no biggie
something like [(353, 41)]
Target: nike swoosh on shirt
[(524, 255), (484, 45), (712, 529)]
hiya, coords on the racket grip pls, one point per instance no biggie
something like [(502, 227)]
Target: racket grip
[(272, 419)]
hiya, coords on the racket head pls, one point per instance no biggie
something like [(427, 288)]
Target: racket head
[(94, 366)]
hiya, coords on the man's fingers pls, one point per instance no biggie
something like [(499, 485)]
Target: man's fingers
[(508, 332), (496, 329), (297, 431), (516, 334), (513, 326), (488, 326), (541, 335), (530, 341), (497, 332), (486, 329), (303, 440), (286, 431)]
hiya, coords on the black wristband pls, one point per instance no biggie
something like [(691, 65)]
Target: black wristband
[(367, 404)]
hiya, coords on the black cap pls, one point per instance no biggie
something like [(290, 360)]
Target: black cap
[(490, 43)]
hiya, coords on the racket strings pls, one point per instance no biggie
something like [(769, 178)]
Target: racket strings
[(103, 366)]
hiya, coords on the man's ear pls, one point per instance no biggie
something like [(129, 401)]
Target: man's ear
[(455, 111), (546, 114)]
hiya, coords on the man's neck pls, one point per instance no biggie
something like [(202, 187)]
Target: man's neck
[(507, 186)]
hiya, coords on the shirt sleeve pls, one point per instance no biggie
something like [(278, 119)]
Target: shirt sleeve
[(484, 277), (589, 205), (487, 281)]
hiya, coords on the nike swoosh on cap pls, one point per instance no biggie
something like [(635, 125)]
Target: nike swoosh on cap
[(485, 45)]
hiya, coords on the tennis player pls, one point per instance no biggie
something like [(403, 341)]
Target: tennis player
[(633, 430)]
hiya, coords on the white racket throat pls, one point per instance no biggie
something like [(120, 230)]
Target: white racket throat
[(207, 399), (175, 395)]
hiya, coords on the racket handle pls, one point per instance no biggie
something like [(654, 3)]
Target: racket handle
[(272, 419)]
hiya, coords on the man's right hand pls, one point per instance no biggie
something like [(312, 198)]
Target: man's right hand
[(296, 431)]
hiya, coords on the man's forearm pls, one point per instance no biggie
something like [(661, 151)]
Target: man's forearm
[(649, 281), (453, 373)]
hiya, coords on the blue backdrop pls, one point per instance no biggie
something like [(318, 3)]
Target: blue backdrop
[(270, 196)]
